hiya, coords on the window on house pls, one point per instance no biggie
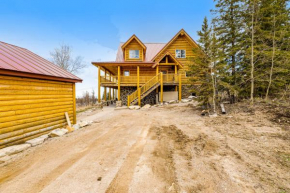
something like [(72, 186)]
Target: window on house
[(133, 54), (180, 53), (127, 73)]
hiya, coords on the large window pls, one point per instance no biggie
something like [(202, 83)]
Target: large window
[(133, 54), (180, 54)]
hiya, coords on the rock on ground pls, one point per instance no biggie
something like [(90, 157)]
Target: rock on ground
[(58, 132), (76, 126), (192, 97), (120, 108), (14, 149), (85, 123), (213, 115), (37, 141), (172, 101), (147, 106), (185, 100), (134, 107)]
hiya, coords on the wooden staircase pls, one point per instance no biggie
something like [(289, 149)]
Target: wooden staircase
[(145, 90), (145, 94)]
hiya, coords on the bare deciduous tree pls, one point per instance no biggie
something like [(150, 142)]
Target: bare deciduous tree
[(62, 57)]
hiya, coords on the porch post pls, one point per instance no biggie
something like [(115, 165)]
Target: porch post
[(110, 89), (138, 84), (175, 75), (179, 93), (105, 93), (105, 88), (99, 84), (157, 71), (113, 94), (119, 86), (161, 88)]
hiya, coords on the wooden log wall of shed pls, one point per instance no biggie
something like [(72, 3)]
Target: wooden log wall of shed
[(31, 107)]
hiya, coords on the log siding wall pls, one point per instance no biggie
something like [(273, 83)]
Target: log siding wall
[(31, 107), (181, 43)]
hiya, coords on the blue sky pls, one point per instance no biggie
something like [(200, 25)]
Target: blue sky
[(95, 28)]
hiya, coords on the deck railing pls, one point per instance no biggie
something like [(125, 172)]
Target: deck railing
[(126, 79), (167, 78), (170, 78)]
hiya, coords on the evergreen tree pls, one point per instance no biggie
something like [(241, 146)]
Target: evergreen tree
[(276, 33), (204, 36), (229, 30), (246, 53), (199, 69), (251, 49), (207, 66), (269, 52)]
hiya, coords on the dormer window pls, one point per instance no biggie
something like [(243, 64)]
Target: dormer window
[(180, 54), (134, 54)]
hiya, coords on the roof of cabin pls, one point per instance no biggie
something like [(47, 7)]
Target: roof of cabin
[(151, 51), (21, 62), (132, 38)]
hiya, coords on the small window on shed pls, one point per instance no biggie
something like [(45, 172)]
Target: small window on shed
[(127, 73), (134, 54), (180, 54)]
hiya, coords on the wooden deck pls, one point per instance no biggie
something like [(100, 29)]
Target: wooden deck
[(168, 79)]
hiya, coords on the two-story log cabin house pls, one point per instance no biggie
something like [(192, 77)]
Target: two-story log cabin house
[(158, 70)]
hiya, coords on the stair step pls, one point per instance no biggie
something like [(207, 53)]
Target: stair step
[(145, 93)]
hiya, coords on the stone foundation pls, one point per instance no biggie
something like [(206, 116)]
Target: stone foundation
[(149, 99), (127, 90)]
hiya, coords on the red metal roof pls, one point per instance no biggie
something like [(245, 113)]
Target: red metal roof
[(151, 51), (19, 61)]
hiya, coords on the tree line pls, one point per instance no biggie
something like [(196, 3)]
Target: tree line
[(90, 98), (244, 52), (87, 99)]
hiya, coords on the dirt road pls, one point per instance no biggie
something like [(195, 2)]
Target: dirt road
[(164, 149)]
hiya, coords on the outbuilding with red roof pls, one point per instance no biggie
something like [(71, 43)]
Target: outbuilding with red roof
[(34, 95)]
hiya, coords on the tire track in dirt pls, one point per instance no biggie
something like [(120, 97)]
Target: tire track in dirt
[(26, 165), (121, 182), (20, 168), (42, 183)]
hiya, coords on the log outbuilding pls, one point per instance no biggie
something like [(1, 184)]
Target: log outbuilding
[(34, 95)]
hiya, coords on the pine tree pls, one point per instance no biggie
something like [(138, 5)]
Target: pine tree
[(251, 49), (246, 52), (229, 30), (207, 66), (276, 26), (199, 69), (204, 36)]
